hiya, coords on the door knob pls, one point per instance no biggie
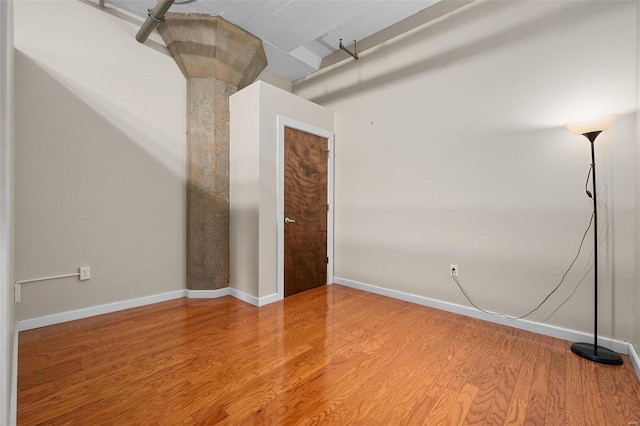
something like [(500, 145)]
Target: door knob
[(287, 220)]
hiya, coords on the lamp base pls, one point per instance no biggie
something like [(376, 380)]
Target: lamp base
[(602, 355)]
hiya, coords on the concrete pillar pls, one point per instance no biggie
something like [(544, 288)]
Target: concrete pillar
[(217, 58)]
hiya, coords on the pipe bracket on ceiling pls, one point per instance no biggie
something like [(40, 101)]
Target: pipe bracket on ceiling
[(153, 17), (354, 54)]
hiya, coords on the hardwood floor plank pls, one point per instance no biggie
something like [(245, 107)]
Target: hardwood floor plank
[(419, 415), (502, 346), (332, 355), (537, 406), (497, 412), (594, 413), (408, 364), (611, 403), (627, 391), (519, 404), (339, 415), (574, 379), (374, 391), (396, 416), (556, 390), (461, 406), (338, 345), (433, 358), (101, 412), (369, 366)]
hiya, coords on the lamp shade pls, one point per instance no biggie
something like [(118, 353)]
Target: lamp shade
[(596, 124)]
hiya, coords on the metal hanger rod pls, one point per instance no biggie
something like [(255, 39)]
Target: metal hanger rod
[(355, 48)]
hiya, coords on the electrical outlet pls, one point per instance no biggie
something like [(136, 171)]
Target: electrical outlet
[(453, 270), (85, 273)]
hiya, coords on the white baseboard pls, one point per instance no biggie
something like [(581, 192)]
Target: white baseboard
[(13, 415), (635, 359), (207, 294), (535, 327), (230, 291), (265, 300), (244, 296), (61, 317), (253, 300), (97, 310)]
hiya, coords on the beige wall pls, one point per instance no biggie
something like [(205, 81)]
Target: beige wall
[(244, 182), (452, 149), (7, 314), (275, 80), (636, 317), (254, 112), (100, 158)]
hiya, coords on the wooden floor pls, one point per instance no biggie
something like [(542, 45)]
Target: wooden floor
[(332, 355)]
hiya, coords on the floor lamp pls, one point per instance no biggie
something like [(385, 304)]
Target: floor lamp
[(592, 351)]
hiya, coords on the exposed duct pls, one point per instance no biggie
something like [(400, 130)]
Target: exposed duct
[(156, 15)]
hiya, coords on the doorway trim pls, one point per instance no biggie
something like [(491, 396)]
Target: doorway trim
[(307, 128)]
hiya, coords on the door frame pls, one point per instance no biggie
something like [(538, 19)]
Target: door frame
[(307, 128)]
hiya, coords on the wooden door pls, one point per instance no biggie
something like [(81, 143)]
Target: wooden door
[(305, 211)]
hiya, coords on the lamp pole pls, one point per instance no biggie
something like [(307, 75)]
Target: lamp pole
[(592, 138), (586, 350)]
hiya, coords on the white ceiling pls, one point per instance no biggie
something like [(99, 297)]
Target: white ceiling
[(297, 34)]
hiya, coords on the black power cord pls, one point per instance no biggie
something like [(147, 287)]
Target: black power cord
[(466, 295)]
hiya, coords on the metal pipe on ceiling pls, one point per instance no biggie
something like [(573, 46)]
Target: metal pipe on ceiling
[(156, 15)]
